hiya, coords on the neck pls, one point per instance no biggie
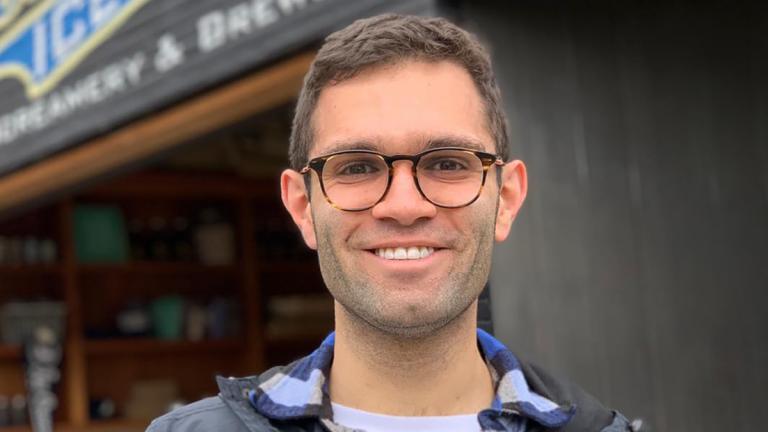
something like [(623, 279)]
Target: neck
[(440, 374)]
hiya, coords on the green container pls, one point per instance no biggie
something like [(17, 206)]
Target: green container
[(100, 235), (168, 317)]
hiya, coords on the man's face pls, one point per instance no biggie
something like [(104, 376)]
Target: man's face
[(404, 109)]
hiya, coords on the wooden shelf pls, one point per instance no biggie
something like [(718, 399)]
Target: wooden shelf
[(159, 268), (30, 269), (93, 426), (296, 339), (23, 428), (108, 347), (57, 427), (10, 352), (174, 185), (115, 426), (301, 266), (93, 292)]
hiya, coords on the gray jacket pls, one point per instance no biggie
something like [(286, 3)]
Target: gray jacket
[(295, 398)]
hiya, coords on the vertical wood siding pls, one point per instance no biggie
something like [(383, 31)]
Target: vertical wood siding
[(639, 265)]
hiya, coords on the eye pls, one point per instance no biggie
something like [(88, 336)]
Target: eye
[(357, 168), (446, 164)]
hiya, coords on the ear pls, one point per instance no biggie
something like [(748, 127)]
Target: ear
[(296, 201), (514, 187)]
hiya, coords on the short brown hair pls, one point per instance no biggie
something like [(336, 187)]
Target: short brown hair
[(388, 39)]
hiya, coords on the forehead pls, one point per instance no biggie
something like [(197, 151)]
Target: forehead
[(402, 108)]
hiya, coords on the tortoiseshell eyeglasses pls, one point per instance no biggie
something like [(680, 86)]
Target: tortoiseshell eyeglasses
[(357, 180)]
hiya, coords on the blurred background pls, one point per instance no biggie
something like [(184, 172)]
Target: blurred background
[(140, 222)]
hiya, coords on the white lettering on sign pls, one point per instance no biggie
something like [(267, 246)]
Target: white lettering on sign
[(65, 40), (103, 10), (239, 20), (170, 53), (288, 5), (94, 88), (264, 13), (218, 27), (46, 43), (211, 31), (69, 25)]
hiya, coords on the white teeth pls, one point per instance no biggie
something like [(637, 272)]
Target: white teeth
[(414, 253), (402, 253)]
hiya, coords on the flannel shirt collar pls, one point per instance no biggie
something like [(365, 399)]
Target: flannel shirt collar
[(300, 390)]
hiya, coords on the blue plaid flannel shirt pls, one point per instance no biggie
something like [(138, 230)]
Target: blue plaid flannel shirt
[(301, 391)]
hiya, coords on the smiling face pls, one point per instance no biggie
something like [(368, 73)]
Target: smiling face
[(405, 266)]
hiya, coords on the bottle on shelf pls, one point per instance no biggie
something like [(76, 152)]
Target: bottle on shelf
[(215, 238), (27, 250), (48, 251)]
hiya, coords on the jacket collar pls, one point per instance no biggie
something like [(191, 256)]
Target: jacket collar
[(513, 395), (300, 390)]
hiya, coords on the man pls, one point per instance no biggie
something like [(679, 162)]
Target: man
[(401, 181)]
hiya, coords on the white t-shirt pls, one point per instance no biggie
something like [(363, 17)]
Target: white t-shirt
[(370, 422)]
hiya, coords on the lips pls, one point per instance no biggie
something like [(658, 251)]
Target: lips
[(404, 253)]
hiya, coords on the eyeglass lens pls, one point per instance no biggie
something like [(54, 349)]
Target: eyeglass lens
[(448, 178)]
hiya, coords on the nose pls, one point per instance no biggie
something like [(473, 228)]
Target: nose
[(403, 201)]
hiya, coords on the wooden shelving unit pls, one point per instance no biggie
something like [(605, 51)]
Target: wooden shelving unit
[(128, 347), (29, 270), (159, 268), (10, 352), (288, 267), (106, 367), (115, 426), (95, 426)]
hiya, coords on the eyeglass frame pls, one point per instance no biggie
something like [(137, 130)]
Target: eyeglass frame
[(317, 164)]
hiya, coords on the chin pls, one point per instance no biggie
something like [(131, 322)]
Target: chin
[(422, 322), (409, 330)]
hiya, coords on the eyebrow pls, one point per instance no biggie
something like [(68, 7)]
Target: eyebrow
[(431, 143), (352, 145), (455, 141)]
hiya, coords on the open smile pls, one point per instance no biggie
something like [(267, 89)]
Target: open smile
[(413, 260), (404, 253)]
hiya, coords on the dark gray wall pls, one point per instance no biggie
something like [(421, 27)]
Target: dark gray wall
[(638, 265)]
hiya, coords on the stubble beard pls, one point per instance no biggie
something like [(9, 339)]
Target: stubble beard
[(364, 305)]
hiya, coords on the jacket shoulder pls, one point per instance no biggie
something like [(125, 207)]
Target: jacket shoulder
[(208, 414), (590, 414)]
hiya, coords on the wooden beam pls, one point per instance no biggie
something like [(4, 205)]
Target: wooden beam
[(161, 132), (75, 380), (255, 358)]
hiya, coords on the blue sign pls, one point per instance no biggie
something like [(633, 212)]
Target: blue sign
[(42, 45)]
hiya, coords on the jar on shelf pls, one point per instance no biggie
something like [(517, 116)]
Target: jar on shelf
[(215, 238)]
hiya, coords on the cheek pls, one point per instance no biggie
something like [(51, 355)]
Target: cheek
[(331, 226), (475, 223), (485, 209)]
